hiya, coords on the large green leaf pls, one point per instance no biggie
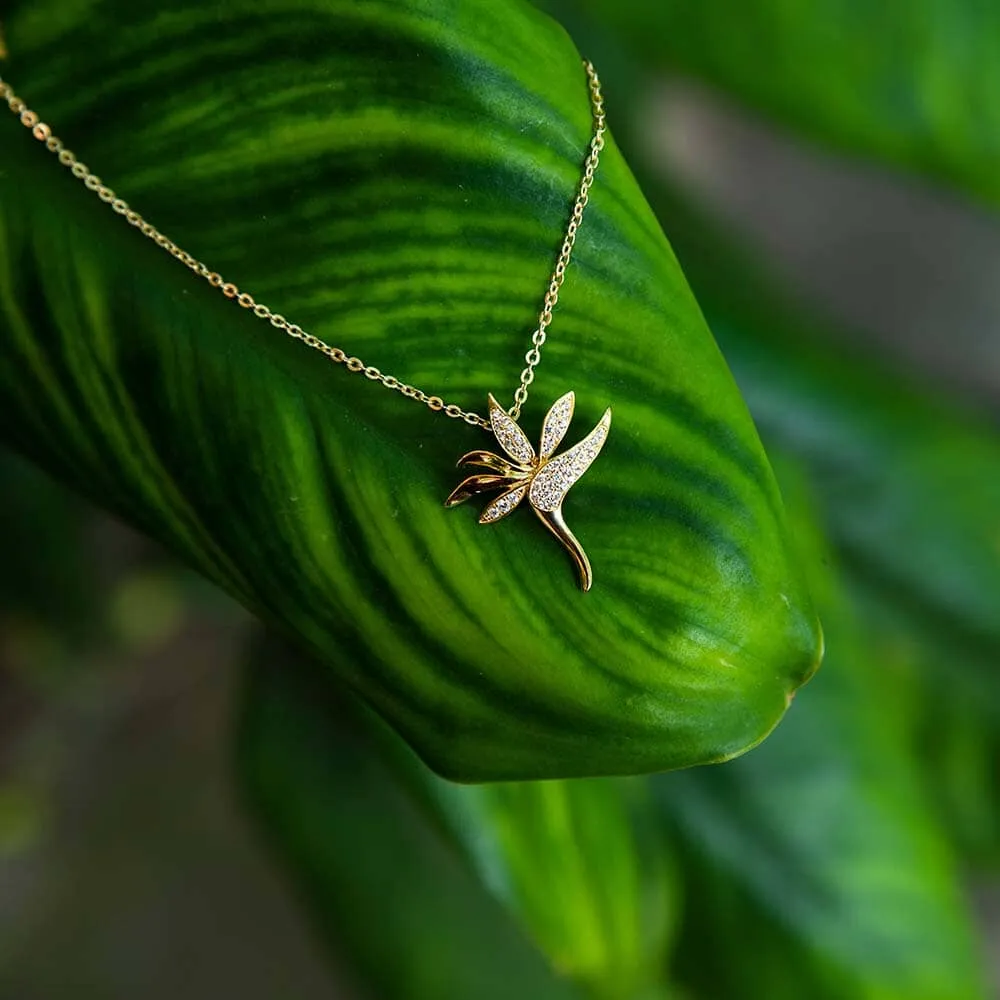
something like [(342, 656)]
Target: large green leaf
[(912, 487), (581, 865), (914, 83), (818, 853), (43, 577), (952, 699), (908, 480), (434, 890), (395, 177)]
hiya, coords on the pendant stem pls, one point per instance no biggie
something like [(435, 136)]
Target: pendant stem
[(554, 521)]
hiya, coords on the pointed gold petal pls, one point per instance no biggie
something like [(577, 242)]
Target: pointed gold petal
[(554, 521), (512, 439), (503, 504), (553, 481), (487, 460), (556, 424), (474, 485)]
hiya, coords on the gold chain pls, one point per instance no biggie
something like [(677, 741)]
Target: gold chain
[(43, 133), (566, 251)]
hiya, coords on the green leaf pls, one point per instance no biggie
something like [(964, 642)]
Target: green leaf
[(429, 889), (913, 84), (908, 480), (822, 845), (953, 721), (43, 578), (396, 178), (908, 487), (581, 864), (387, 891)]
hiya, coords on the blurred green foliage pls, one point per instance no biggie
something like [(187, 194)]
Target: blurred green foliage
[(440, 889), (43, 575), (909, 83), (830, 862), (822, 839)]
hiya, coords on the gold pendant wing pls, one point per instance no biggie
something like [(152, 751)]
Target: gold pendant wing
[(553, 480), (556, 423), (512, 439)]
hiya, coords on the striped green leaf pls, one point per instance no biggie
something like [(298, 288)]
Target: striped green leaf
[(950, 693), (907, 479), (580, 865), (396, 178), (817, 856), (913, 84), (385, 888), (428, 889), (908, 485)]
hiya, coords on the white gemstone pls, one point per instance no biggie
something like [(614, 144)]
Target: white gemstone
[(512, 439), (553, 481), (556, 424), (503, 505)]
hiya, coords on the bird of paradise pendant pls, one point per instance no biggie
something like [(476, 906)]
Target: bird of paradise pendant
[(543, 478)]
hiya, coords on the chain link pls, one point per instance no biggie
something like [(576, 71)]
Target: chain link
[(538, 338), (43, 133)]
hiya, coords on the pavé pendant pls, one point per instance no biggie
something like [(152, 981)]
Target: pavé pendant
[(543, 479)]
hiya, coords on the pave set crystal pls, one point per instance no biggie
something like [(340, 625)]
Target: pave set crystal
[(556, 424), (503, 505), (512, 439), (543, 479), (552, 482)]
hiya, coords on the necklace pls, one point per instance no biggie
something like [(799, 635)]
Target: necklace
[(543, 477)]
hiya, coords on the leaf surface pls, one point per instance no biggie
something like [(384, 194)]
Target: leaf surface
[(395, 178), (820, 847), (554, 889), (907, 479), (912, 84)]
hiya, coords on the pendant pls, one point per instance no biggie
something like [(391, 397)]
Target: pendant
[(543, 479)]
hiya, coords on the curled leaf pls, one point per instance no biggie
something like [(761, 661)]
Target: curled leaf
[(472, 486)]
